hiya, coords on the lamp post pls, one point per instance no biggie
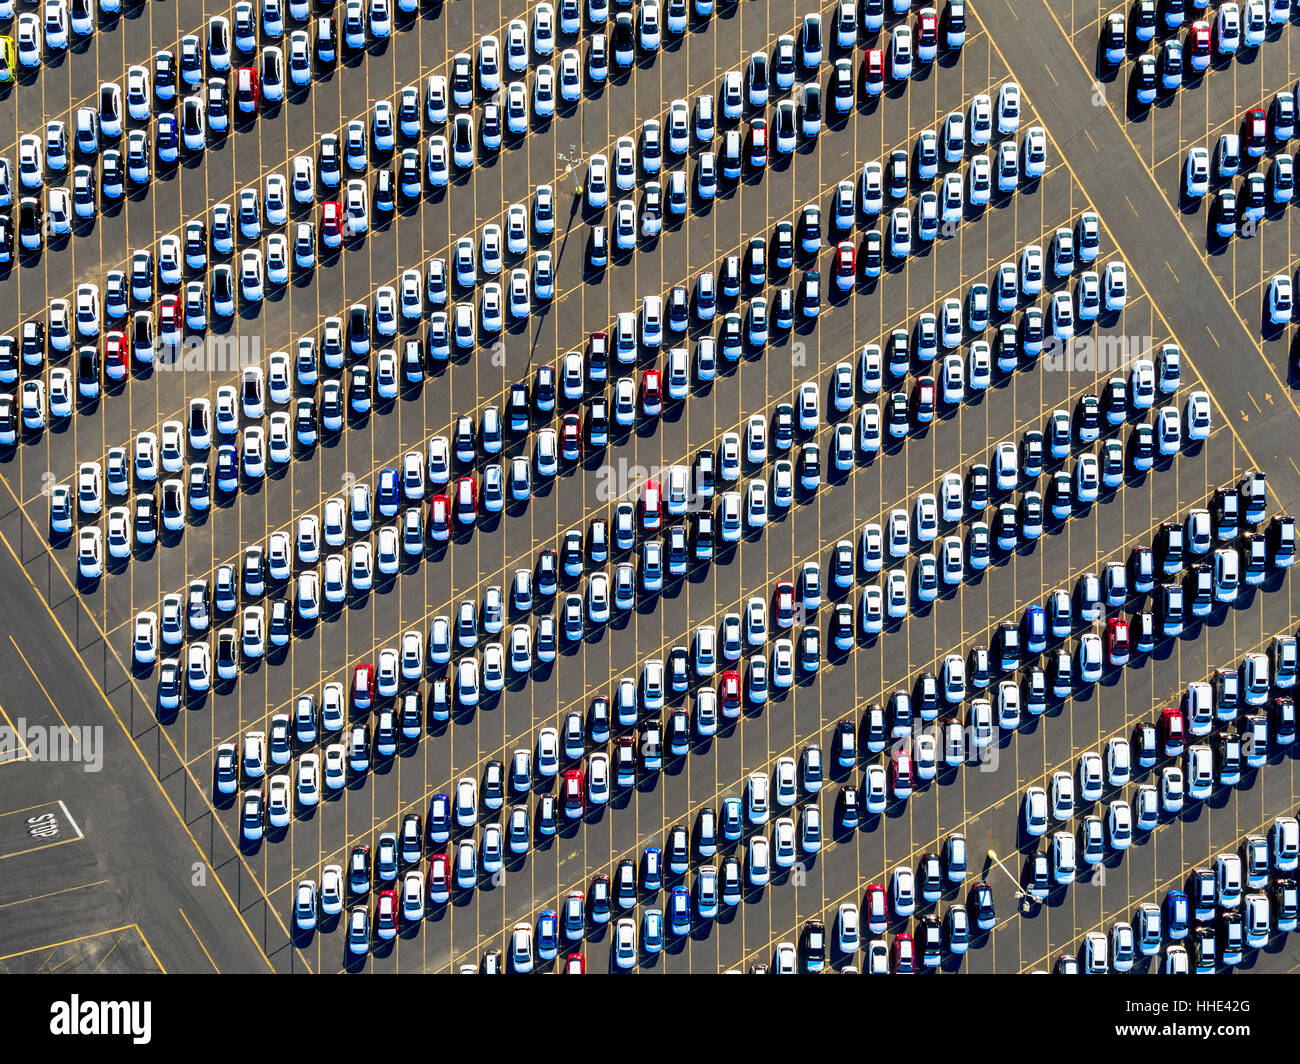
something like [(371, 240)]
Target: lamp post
[(1021, 895)]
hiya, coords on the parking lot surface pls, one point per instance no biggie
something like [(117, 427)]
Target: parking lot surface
[(156, 851)]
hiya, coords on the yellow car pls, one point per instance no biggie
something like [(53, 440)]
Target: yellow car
[(6, 59)]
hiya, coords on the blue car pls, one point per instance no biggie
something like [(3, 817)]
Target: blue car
[(388, 497), (652, 931), (1035, 629), (652, 869), (439, 819), (732, 823), (679, 911), (548, 934), (980, 902), (1177, 915), (227, 468)]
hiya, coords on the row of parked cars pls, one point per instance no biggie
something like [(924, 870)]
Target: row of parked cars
[(679, 546), (184, 314), (1256, 696), (757, 791), (1228, 907), (457, 860), (753, 806), (212, 107), (1235, 26), (916, 762), (667, 496), (737, 834)]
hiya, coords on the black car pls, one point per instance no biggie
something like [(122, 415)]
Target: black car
[(218, 102), (1087, 418), (598, 899), (547, 573), (358, 329), (87, 371), (814, 946), (810, 297), (1031, 330), (598, 720), (977, 486), (980, 903), (359, 870), (702, 535), (226, 656), (1142, 445), (146, 517), (30, 227), (112, 174), (729, 279), (164, 75), (898, 352), (598, 247), (9, 359), (896, 174), (1225, 514), (625, 885), (783, 426), (384, 192), (783, 245), (305, 422), (408, 174), (1114, 400), (1144, 76), (517, 408), (597, 422), (756, 77), (849, 809), (544, 389)]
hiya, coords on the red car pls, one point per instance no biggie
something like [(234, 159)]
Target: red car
[(574, 964), (873, 72), (904, 955), (900, 773), (652, 394), (876, 910), (758, 143), (846, 265), (571, 438), (571, 793), (331, 223), (1197, 48), (1171, 730), (1117, 645), (651, 506), (115, 355), (439, 518), (783, 604), (598, 352), (246, 90), (1254, 132), (363, 686), (923, 400), (169, 317), (386, 914), (927, 31), (466, 500), (729, 693), (439, 879)]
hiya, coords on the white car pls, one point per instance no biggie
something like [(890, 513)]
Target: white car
[(1008, 108), (1196, 174), (1115, 285), (1280, 299)]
